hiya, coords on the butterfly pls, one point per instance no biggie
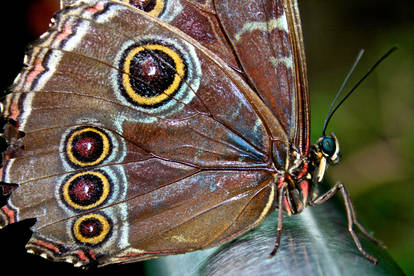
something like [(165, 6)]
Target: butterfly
[(140, 129)]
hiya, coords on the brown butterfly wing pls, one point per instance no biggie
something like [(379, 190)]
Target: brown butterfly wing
[(165, 173), (268, 42)]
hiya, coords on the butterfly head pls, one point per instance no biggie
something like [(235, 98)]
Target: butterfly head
[(329, 147), (326, 151)]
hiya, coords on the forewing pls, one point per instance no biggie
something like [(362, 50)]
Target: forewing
[(267, 39)]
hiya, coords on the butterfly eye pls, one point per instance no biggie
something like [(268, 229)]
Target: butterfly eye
[(328, 145)]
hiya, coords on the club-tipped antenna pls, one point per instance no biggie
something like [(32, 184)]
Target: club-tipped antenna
[(333, 110)]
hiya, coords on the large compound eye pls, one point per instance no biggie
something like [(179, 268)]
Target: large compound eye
[(328, 146)]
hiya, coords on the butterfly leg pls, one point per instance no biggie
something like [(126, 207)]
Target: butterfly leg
[(355, 221), (363, 230), (351, 217), (279, 229)]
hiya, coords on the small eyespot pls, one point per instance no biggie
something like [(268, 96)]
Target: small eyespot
[(92, 229), (86, 190), (153, 7), (87, 146)]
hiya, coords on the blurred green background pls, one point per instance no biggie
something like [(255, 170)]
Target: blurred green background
[(375, 127)]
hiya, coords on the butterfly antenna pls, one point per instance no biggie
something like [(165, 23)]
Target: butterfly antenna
[(328, 116), (333, 110)]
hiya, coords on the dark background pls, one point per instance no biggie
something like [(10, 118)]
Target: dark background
[(375, 127)]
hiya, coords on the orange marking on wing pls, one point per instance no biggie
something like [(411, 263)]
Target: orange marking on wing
[(307, 144), (92, 254), (98, 7), (82, 255), (67, 31), (37, 69), (130, 255), (47, 245), (10, 213), (14, 110)]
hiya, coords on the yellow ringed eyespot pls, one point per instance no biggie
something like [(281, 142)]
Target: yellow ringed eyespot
[(87, 146), (86, 190), (151, 74), (92, 229)]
